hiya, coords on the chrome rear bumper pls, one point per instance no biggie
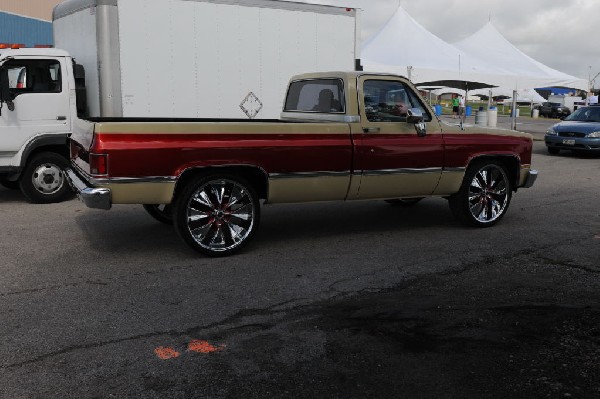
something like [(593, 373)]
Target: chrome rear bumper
[(92, 197)]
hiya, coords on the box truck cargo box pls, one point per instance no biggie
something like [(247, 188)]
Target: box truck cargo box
[(200, 58)]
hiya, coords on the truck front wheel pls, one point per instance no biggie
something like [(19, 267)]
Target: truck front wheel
[(217, 214), (43, 180), (484, 196)]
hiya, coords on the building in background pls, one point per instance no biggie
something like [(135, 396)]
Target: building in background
[(27, 23)]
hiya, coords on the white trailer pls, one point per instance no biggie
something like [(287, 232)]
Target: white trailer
[(200, 58), (157, 59)]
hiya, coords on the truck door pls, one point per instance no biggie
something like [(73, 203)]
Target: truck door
[(392, 159), (41, 103)]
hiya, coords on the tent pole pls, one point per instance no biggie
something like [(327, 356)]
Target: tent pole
[(514, 111)]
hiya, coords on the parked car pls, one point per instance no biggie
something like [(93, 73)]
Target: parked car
[(580, 131), (554, 110)]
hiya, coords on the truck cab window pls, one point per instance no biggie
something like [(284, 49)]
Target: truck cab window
[(34, 76), (389, 101), (316, 95)]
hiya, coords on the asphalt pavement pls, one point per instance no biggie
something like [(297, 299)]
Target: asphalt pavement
[(331, 300)]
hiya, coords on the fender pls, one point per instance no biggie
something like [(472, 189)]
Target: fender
[(514, 163), (47, 140)]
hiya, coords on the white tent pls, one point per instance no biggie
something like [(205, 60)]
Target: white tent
[(489, 44), (404, 47)]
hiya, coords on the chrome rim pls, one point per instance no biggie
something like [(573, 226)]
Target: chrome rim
[(48, 178), (488, 194), (220, 215)]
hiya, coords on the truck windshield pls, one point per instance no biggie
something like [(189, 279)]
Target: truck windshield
[(316, 95)]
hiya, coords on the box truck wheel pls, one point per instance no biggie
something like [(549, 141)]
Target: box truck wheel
[(43, 180)]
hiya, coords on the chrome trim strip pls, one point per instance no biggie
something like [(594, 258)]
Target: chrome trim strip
[(308, 174), (320, 117), (402, 171), (132, 180), (122, 180), (455, 169)]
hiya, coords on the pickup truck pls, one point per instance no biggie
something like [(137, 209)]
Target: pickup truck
[(342, 136)]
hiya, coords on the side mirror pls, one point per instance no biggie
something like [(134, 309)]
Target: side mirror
[(5, 95), (415, 116)]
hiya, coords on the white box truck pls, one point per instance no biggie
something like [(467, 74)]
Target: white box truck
[(157, 59)]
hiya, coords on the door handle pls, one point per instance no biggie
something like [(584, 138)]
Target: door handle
[(371, 129), (61, 118)]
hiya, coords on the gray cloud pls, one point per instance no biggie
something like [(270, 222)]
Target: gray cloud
[(558, 33)]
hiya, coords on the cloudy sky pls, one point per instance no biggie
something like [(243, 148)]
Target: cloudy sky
[(559, 33)]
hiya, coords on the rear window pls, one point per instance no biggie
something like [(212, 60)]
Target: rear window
[(316, 95)]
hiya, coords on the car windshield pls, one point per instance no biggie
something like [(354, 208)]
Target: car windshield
[(588, 114)]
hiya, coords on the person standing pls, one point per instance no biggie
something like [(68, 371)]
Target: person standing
[(462, 107), (455, 106)]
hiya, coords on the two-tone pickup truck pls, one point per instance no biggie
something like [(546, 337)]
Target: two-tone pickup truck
[(342, 136)]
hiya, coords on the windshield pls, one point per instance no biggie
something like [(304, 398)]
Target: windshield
[(587, 114)]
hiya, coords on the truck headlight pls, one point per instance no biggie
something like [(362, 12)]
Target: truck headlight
[(594, 135), (551, 132)]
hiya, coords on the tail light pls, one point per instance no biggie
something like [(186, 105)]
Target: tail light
[(99, 164)]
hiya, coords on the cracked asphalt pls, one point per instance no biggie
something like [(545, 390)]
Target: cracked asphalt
[(352, 300)]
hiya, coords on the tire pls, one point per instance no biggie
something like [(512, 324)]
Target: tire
[(43, 180), (484, 195), (552, 150), (217, 214), (162, 213), (404, 202), (12, 185)]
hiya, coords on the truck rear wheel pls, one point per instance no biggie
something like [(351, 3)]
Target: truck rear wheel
[(217, 214), (162, 213), (43, 180), (484, 196)]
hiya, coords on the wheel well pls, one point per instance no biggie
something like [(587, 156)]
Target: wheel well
[(510, 163), (58, 149), (255, 176)]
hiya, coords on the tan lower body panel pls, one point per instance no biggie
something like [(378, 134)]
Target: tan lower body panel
[(141, 193), (449, 183), (397, 185), (308, 189)]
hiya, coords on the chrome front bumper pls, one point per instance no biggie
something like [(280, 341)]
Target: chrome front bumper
[(531, 178), (92, 197)]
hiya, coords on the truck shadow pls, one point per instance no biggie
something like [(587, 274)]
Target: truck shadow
[(128, 228), (8, 195)]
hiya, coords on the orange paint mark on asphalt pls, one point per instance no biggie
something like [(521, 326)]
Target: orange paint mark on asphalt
[(202, 346), (166, 352)]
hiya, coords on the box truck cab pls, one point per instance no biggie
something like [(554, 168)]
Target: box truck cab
[(36, 112)]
